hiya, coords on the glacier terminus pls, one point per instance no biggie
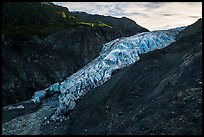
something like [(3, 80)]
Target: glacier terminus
[(114, 55)]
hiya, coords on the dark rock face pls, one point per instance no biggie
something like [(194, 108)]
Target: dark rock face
[(28, 67), (82, 43), (159, 94)]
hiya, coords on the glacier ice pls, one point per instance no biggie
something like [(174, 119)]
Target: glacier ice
[(114, 55)]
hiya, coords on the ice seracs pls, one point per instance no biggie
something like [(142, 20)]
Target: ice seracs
[(114, 55)]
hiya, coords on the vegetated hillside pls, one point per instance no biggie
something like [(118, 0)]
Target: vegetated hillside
[(21, 19), (159, 94), (43, 43), (27, 13), (125, 25)]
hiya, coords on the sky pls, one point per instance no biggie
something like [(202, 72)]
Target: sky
[(151, 15)]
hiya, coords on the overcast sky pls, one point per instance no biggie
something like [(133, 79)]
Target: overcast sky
[(151, 15)]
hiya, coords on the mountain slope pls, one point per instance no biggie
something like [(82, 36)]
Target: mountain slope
[(22, 19), (125, 25), (159, 94)]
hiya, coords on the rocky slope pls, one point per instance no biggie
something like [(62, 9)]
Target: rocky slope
[(38, 52), (159, 94)]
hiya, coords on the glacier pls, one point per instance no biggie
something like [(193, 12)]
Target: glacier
[(114, 55)]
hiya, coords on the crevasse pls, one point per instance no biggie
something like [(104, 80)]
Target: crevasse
[(114, 55)]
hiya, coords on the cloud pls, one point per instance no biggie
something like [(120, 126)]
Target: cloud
[(151, 15), (194, 17), (167, 14)]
